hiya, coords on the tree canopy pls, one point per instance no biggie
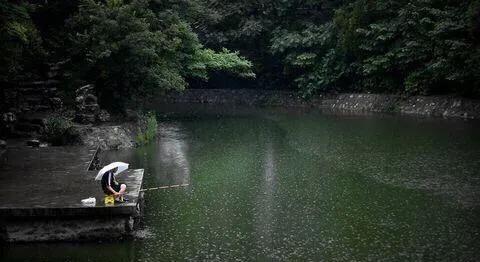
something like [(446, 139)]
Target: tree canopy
[(129, 49), (132, 49), (387, 46), (135, 49)]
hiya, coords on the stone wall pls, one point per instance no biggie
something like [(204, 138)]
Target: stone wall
[(234, 96), (441, 106), (60, 229)]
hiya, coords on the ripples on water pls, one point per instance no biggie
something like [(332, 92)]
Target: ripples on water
[(286, 186)]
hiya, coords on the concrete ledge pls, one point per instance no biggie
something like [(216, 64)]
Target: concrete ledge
[(68, 204)]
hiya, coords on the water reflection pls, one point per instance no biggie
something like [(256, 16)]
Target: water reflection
[(172, 155), (264, 218)]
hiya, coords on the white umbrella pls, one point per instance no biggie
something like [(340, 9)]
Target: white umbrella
[(120, 165)]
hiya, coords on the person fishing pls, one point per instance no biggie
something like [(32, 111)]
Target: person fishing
[(111, 187)]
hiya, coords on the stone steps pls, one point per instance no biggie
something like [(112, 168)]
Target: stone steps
[(37, 91), (30, 124), (30, 108), (21, 134), (36, 118), (28, 127), (28, 98)]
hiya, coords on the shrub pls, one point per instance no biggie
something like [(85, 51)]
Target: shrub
[(147, 129), (59, 131)]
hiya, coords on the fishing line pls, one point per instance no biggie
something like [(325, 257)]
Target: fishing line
[(163, 187)]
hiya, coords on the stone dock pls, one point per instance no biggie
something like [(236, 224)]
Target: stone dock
[(41, 191)]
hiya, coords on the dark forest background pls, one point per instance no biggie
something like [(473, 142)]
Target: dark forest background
[(134, 49)]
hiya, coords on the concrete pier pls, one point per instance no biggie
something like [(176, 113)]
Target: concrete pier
[(41, 191)]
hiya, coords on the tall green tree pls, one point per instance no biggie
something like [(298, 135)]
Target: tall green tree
[(133, 50)]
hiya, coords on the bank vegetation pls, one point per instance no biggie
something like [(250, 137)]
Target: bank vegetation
[(135, 49)]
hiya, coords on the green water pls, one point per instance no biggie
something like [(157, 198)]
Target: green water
[(280, 185)]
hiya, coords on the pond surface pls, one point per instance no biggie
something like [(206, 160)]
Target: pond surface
[(290, 185)]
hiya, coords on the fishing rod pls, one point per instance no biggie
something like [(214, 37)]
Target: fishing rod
[(163, 187)]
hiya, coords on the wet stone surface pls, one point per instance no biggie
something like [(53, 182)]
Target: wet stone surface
[(52, 182)]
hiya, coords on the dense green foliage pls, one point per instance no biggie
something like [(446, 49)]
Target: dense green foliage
[(59, 130), (133, 49), (20, 43), (130, 50), (406, 46)]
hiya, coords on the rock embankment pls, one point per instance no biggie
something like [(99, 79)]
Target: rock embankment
[(439, 106), (87, 109), (107, 137)]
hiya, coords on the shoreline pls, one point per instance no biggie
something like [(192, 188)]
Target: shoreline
[(113, 135), (432, 106)]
